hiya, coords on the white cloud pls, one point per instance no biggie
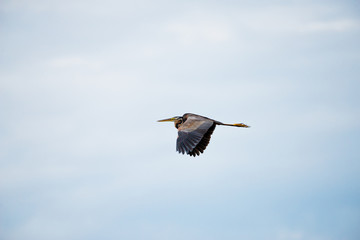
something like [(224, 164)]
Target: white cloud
[(341, 25), (92, 7), (200, 32), (280, 20), (75, 61)]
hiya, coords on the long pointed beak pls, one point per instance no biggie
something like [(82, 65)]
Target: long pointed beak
[(168, 120)]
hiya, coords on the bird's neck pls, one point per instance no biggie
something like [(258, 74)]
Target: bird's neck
[(178, 123)]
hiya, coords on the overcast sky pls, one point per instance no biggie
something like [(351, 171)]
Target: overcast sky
[(82, 84)]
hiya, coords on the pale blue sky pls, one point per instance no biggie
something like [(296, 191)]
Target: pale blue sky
[(82, 84)]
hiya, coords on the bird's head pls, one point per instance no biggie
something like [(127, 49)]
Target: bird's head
[(177, 120)]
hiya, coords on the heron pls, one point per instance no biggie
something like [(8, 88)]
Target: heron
[(194, 132)]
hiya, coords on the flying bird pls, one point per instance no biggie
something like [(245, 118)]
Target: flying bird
[(194, 132)]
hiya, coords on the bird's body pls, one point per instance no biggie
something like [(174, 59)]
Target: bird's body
[(194, 132)]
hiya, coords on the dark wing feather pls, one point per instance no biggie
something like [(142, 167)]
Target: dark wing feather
[(200, 148), (194, 135)]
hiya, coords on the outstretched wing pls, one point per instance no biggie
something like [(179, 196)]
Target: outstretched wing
[(203, 143), (194, 135)]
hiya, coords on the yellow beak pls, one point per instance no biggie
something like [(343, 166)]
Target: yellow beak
[(168, 120)]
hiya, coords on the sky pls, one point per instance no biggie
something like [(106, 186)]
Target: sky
[(83, 83)]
